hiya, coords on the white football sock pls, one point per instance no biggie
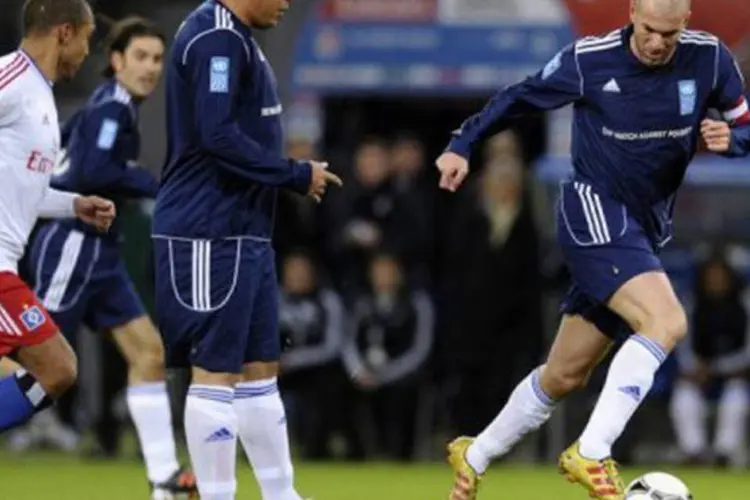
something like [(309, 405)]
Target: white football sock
[(526, 410), (149, 408), (731, 421), (211, 429), (629, 380), (262, 425), (689, 412)]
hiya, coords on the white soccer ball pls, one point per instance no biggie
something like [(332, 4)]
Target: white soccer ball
[(657, 486)]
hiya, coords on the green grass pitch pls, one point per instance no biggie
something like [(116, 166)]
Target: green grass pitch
[(51, 476)]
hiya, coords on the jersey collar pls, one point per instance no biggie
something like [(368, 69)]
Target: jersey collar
[(627, 33), (37, 69)]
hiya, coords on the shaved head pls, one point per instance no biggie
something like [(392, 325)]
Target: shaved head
[(657, 26), (664, 7)]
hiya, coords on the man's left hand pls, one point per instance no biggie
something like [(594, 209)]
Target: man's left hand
[(717, 135), (95, 211)]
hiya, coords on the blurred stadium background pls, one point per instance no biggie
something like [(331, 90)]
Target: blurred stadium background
[(375, 87)]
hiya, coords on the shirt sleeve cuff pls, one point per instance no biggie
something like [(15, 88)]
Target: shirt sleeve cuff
[(58, 205), (302, 176), (459, 146)]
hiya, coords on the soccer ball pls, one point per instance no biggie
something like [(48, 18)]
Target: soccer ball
[(657, 486)]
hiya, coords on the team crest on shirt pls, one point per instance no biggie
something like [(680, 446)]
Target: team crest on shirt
[(32, 318), (219, 80), (688, 94), (552, 66)]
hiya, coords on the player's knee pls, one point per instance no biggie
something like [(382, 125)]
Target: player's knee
[(61, 376), (667, 327)]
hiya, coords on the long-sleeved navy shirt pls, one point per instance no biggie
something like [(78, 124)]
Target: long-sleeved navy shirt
[(102, 145), (225, 140), (635, 128)]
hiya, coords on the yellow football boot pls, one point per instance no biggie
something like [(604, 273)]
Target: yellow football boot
[(465, 479), (601, 478)]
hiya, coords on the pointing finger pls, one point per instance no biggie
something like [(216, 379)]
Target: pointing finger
[(332, 178)]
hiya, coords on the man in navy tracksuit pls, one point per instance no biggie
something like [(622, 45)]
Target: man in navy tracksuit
[(79, 273), (215, 279)]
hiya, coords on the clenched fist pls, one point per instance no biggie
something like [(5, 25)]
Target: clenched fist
[(453, 170), (717, 135), (95, 211)]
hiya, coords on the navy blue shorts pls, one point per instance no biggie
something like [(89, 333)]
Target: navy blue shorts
[(603, 247), (216, 302), (81, 278)]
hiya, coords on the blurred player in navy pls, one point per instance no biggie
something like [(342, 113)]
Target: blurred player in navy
[(80, 274), (641, 96), (216, 284)]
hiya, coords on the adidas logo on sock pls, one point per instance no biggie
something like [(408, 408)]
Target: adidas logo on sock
[(633, 391), (222, 434)]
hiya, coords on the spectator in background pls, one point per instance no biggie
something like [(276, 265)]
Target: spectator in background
[(311, 316), (412, 184), (390, 340), (408, 164), (298, 222), (368, 215), (715, 361), (492, 287), (742, 53)]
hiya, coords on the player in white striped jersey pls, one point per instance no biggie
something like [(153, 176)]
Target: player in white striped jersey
[(55, 43)]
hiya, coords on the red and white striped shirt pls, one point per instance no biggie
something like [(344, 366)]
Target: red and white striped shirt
[(29, 144)]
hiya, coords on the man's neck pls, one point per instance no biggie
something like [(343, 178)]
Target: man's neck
[(135, 98), (44, 58), (231, 5)]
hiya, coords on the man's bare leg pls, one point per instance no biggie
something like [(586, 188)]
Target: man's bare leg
[(49, 369), (8, 366), (649, 305), (147, 396), (578, 348)]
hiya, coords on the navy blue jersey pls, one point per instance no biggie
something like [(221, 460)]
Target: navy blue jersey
[(225, 140), (635, 127), (101, 145)]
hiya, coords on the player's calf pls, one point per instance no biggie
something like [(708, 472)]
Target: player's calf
[(649, 305), (50, 371), (53, 364), (143, 350), (560, 380), (149, 404)]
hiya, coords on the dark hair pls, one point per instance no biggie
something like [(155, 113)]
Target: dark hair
[(40, 16), (718, 258), (301, 252), (122, 33)]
